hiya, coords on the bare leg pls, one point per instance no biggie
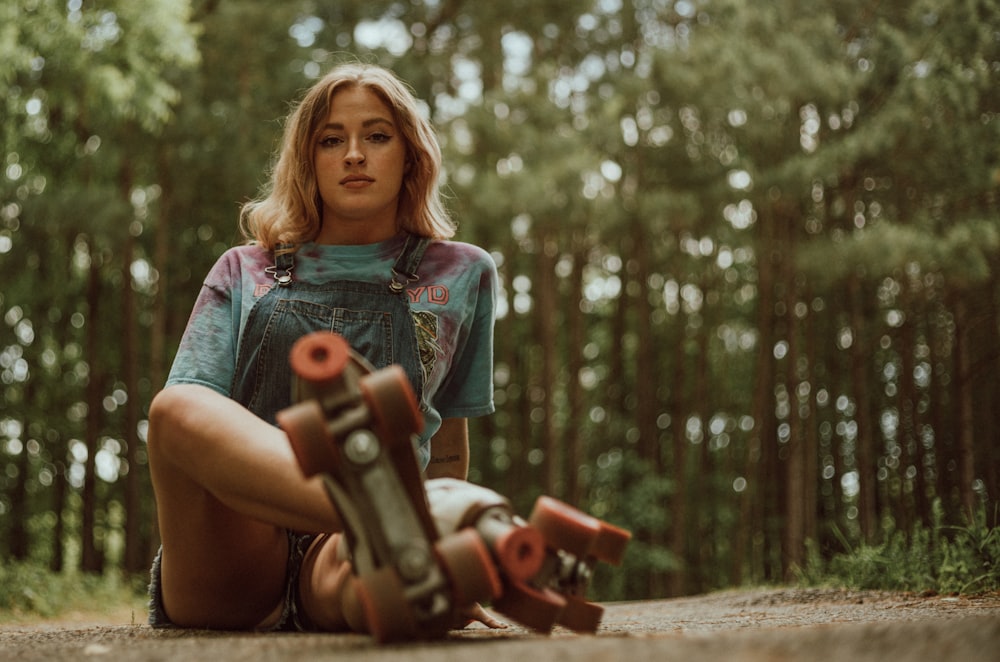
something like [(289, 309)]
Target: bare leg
[(227, 486), (324, 587)]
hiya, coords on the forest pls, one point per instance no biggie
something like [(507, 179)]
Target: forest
[(748, 251)]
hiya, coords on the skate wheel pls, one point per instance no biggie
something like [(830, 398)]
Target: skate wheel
[(580, 615), (470, 568), (520, 552), (610, 544), (393, 405), (564, 527), (536, 609), (382, 598), (319, 357), (305, 426)]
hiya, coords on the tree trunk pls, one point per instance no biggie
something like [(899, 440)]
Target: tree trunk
[(60, 494), (646, 366), (812, 457), (966, 410), (908, 398), (573, 434), (161, 318), (678, 538), (866, 451), (59, 446), (544, 313), (519, 476), (135, 554), (645, 396), (618, 376), (795, 464), (703, 495), (747, 550), (18, 543), (989, 463), (942, 403), (161, 265), (90, 556)]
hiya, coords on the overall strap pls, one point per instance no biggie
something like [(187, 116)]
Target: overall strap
[(284, 262), (404, 270)]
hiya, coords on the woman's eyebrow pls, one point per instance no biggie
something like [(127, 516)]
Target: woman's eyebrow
[(365, 125)]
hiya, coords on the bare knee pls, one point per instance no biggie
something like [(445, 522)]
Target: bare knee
[(170, 420)]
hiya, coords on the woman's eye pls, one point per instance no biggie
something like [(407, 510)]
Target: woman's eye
[(379, 137), (330, 141)]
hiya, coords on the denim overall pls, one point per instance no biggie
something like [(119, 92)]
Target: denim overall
[(373, 317)]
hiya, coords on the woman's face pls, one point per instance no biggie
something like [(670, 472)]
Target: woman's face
[(360, 160)]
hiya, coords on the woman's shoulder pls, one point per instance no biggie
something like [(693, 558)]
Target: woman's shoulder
[(454, 255), (239, 260), (245, 252)]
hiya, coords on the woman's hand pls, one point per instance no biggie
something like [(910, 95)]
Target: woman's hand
[(475, 612)]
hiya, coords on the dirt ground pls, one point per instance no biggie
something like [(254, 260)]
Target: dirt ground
[(766, 624)]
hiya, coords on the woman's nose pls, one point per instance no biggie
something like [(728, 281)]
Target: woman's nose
[(355, 155)]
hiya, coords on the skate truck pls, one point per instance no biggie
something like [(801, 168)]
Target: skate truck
[(424, 551)]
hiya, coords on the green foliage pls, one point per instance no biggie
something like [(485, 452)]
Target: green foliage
[(962, 250), (29, 589), (939, 558)]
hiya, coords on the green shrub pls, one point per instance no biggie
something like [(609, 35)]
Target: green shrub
[(30, 589), (940, 558)]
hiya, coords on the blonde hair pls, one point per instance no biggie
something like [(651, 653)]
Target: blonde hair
[(289, 212)]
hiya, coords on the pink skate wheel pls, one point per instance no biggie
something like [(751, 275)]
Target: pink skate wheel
[(564, 527), (305, 426), (393, 405), (320, 357), (520, 552), (470, 568), (580, 615), (537, 609), (383, 600), (610, 544)]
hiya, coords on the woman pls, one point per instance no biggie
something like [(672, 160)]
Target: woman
[(351, 237)]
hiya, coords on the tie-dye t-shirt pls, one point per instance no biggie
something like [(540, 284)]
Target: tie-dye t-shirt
[(453, 304)]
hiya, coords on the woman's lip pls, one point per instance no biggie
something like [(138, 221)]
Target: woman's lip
[(356, 180)]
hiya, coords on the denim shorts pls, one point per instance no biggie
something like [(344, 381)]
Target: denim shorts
[(290, 620)]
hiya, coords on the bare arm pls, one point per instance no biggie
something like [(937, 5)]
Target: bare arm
[(450, 459), (450, 450)]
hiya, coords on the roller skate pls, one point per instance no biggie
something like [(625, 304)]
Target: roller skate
[(414, 572), (547, 585), (353, 426)]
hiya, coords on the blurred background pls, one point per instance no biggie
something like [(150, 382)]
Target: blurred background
[(748, 256)]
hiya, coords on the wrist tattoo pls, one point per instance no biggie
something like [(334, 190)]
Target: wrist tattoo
[(445, 459)]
